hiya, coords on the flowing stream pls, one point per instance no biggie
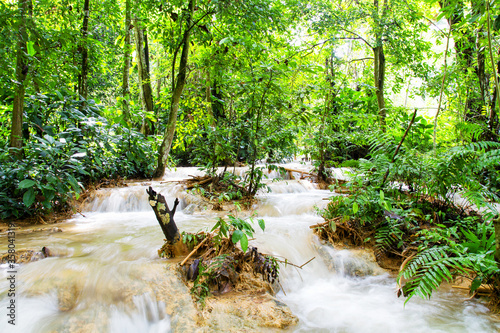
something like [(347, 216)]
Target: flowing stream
[(107, 277)]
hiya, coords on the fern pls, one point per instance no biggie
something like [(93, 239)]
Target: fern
[(390, 235), (429, 268)]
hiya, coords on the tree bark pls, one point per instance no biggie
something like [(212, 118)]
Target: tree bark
[(144, 76), (496, 97), (126, 63), (82, 78), (496, 224), (379, 66), (168, 136), (164, 215), (22, 67)]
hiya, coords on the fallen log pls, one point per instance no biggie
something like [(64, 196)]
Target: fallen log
[(196, 182)]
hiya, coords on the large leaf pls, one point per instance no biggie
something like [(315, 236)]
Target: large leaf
[(26, 183), (262, 224), (29, 197), (244, 243), (355, 207), (237, 235)]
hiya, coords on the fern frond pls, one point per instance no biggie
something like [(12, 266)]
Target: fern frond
[(429, 269)]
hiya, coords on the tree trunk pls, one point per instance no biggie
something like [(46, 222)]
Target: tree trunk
[(496, 224), (82, 78), (492, 118), (168, 136), (466, 51), (165, 217), (379, 71), (16, 135), (144, 76), (208, 95), (126, 63), (379, 65)]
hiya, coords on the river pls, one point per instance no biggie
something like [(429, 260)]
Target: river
[(107, 276)]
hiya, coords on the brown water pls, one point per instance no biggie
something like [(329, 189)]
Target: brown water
[(108, 277)]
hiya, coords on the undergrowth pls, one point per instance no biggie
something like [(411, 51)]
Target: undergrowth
[(78, 148), (413, 216)]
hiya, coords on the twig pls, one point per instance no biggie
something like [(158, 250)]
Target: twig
[(442, 87), (403, 265), (307, 262), (322, 224), (194, 251), (286, 262), (399, 146), (282, 288)]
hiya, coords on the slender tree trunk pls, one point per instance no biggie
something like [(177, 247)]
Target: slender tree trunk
[(379, 71), (208, 95), (496, 224), (82, 79), (379, 67), (168, 136), (16, 132), (126, 63), (492, 117), (158, 85), (144, 76), (466, 51), (442, 88)]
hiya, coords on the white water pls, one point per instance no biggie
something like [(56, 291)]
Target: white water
[(108, 277)]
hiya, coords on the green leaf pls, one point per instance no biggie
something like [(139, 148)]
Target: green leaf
[(74, 183), (355, 207), (244, 243), (30, 48), (333, 225), (262, 224), (29, 197), (26, 183), (382, 195), (237, 235)]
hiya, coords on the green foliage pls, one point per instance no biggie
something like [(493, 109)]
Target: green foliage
[(420, 190), (201, 286), (444, 253), (44, 181), (67, 146), (237, 228)]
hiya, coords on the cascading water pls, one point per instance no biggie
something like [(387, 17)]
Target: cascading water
[(107, 277)]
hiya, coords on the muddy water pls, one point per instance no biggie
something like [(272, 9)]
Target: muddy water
[(107, 277)]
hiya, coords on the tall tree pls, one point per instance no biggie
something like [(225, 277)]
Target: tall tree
[(168, 136), (22, 68), (126, 62), (379, 59), (83, 77), (142, 51)]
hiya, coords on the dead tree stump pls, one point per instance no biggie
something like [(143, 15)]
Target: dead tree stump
[(173, 245)]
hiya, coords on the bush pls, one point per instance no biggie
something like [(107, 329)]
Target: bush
[(78, 147)]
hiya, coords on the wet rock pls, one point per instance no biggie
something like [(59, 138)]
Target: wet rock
[(67, 297), (238, 312), (22, 256), (350, 262)]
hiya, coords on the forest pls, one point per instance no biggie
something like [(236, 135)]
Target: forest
[(402, 95)]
